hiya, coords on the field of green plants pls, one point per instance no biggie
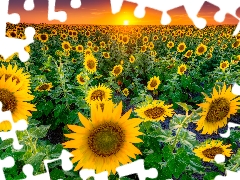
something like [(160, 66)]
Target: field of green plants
[(114, 94)]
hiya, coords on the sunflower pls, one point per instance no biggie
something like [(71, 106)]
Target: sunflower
[(106, 55), (101, 92), (43, 37), (117, 70), (188, 54), (217, 109), (27, 49), (201, 49), (44, 87), (156, 111), (125, 92), (151, 46), (125, 39), (132, 59), (87, 52), (209, 56), (15, 100), (236, 44), (89, 44), (145, 39), (181, 69), (90, 63), (107, 138), (170, 44), (164, 38), (82, 79), (95, 49), (17, 75), (5, 126), (102, 44), (181, 47), (153, 83), (66, 46), (79, 48), (143, 48), (209, 149), (224, 65)]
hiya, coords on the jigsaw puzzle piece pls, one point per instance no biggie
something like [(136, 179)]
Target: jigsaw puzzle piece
[(65, 163), (29, 5), (8, 162), (18, 126), (236, 89), (227, 134), (8, 45), (60, 15), (192, 8), (87, 173), (226, 7), (137, 167)]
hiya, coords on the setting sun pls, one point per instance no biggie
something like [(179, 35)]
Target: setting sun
[(126, 22)]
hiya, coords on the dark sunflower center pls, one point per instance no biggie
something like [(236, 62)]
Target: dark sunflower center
[(125, 39), (153, 83), (80, 48), (66, 46), (43, 37), (106, 139), (13, 34), (212, 152), (98, 94), (224, 65), (218, 109), (91, 64), (43, 87), (181, 47), (236, 44), (182, 69), (81, 79), (155, 112), (201, 49), (8, 100), (189, 53), (117, 70), (143, 48)]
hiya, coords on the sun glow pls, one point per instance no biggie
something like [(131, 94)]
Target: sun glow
[(126, 22)]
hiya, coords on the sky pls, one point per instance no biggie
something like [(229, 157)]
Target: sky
[(99, 12)]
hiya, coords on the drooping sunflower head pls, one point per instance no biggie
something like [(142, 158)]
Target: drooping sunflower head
[(156, 111), (106, 138), (224, 65), (101, 92), (153, 83), (209, 149), (181, 69), (90, 63), (117, 70), (181, 47), (201, 49), (44, 87), (132, 59), (217, 109)]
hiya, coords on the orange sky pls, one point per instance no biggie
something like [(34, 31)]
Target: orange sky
[(99, 12)]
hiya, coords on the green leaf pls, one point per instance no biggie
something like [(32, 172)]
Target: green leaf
[(185, 106), (167, 153), (39, 132), (6, 143), (153, 158), (36, 160), (210, 176)]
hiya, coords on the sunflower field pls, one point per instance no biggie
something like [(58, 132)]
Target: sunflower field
[(114, 94)]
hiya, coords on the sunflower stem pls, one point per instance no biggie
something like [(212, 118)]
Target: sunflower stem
[(235, 167), (181, 126)]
